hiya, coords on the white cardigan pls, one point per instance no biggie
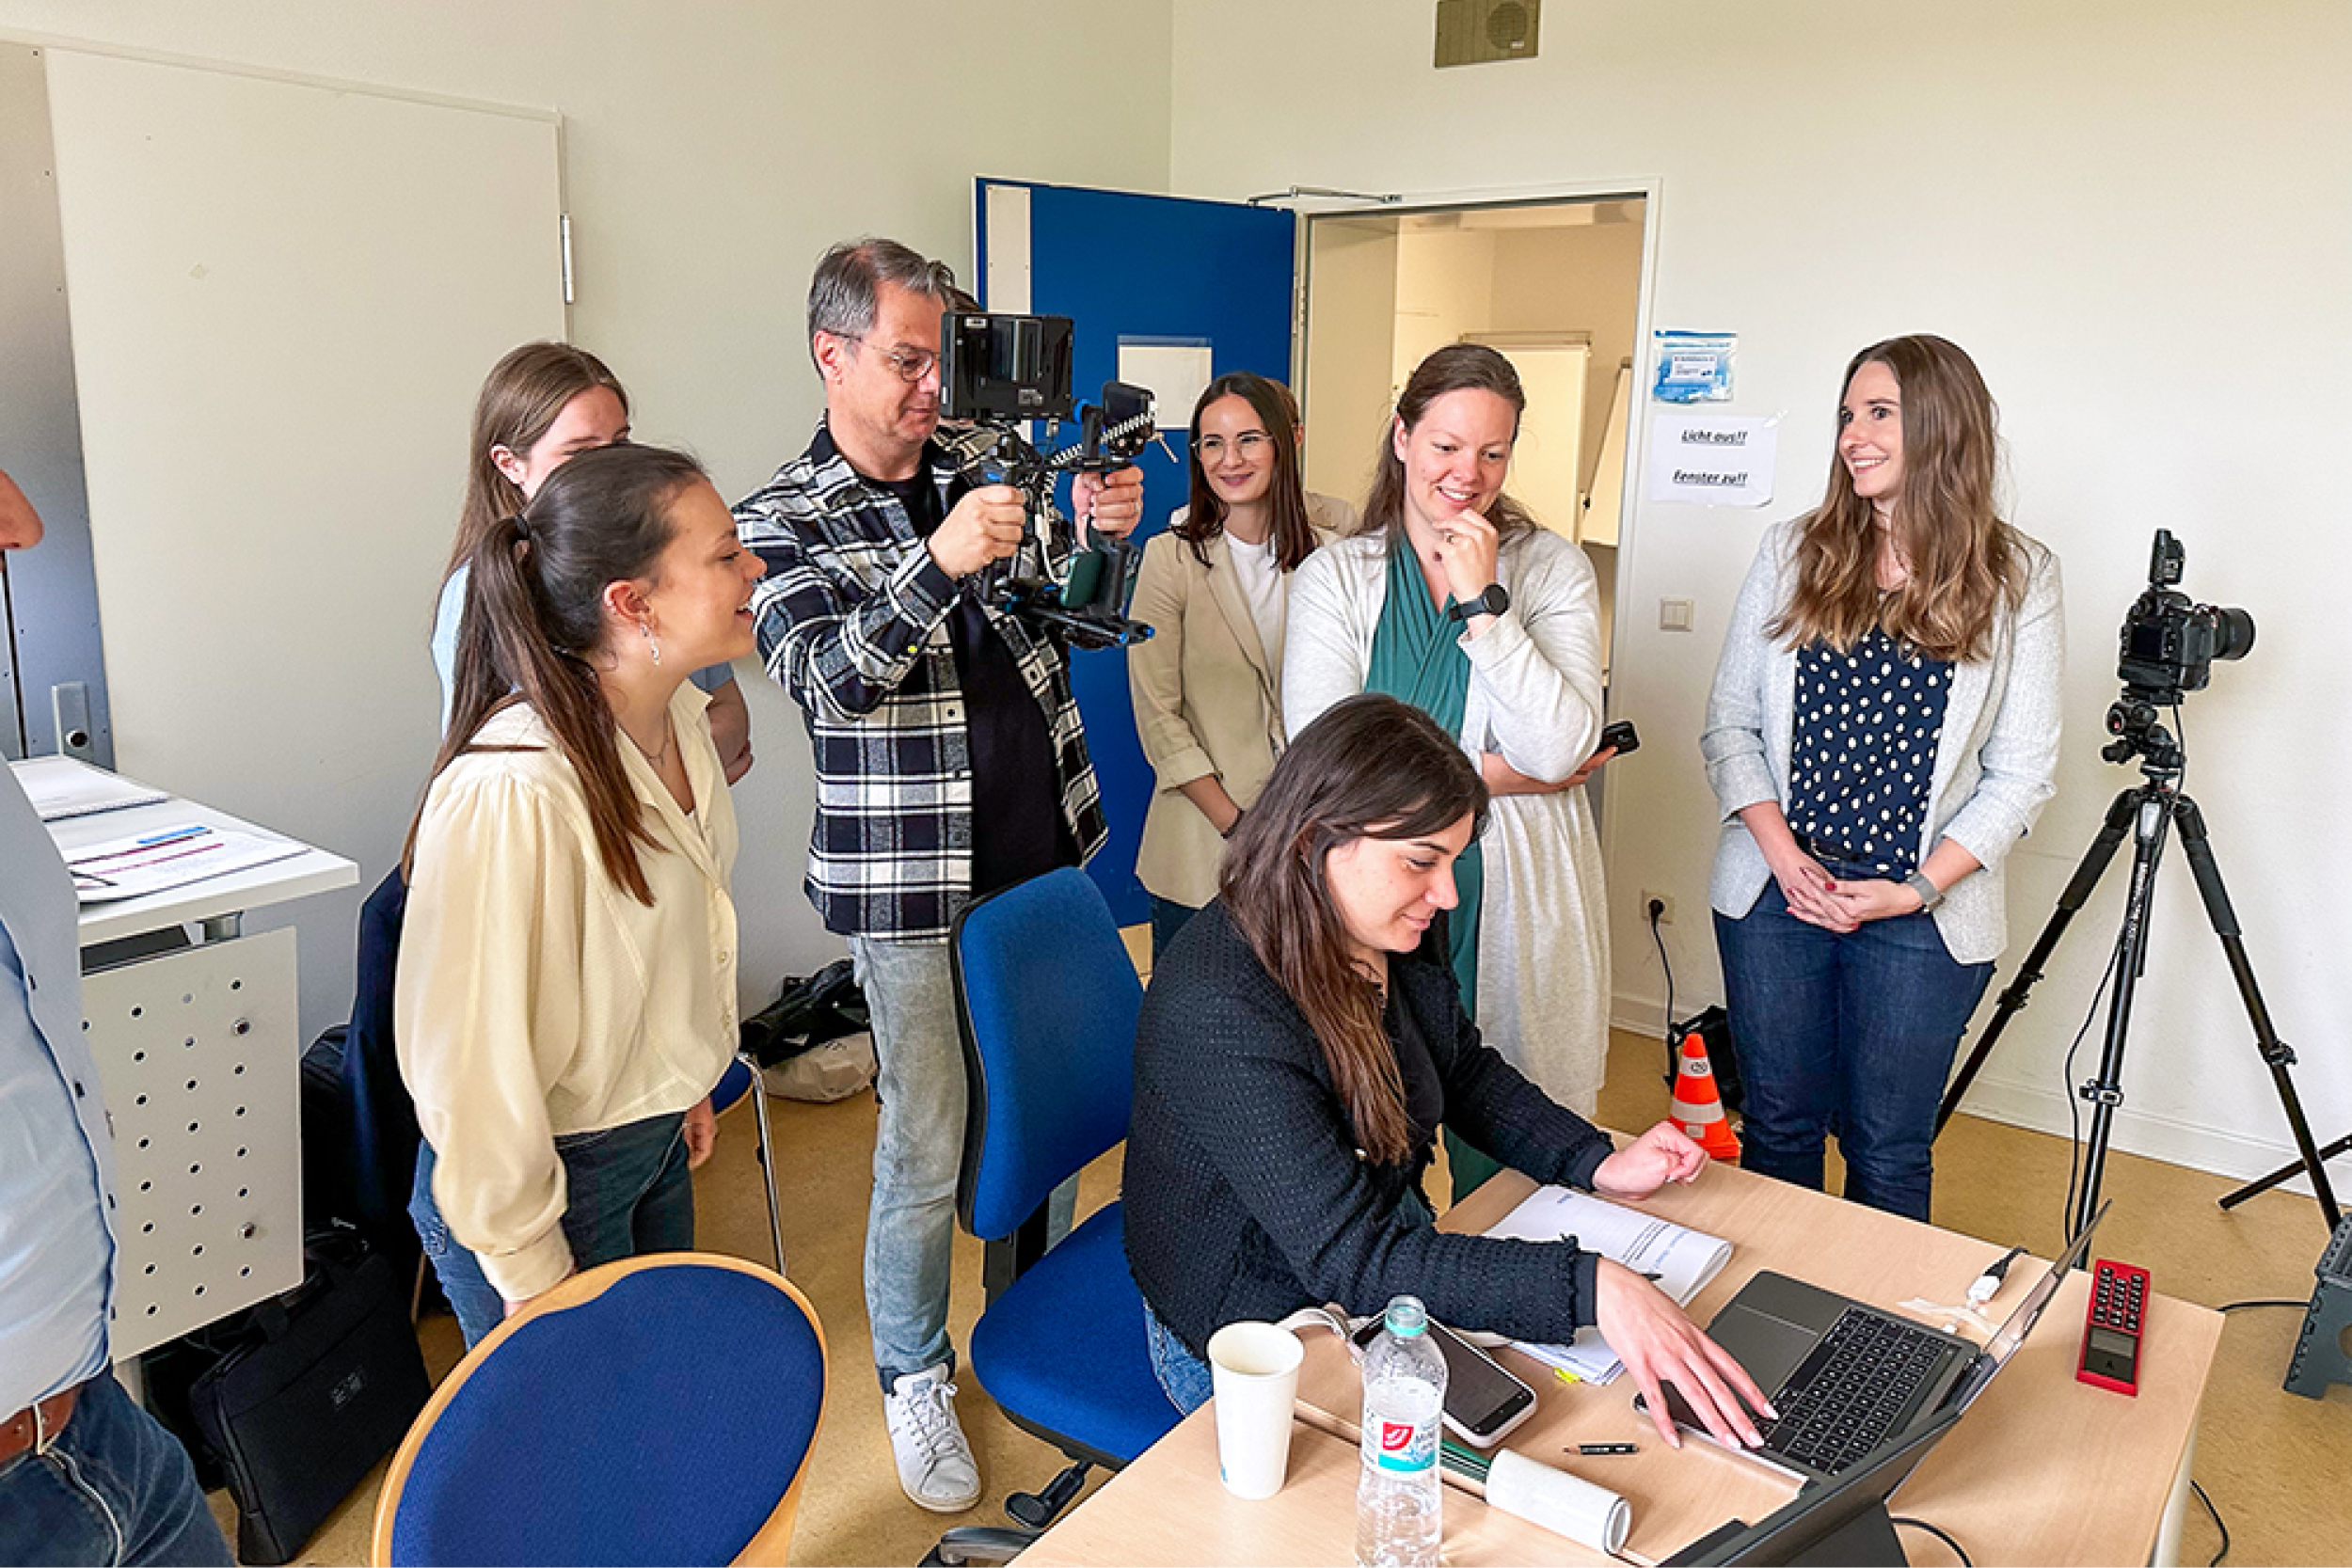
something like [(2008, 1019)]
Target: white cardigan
[(1534, 697), (1994, 762)]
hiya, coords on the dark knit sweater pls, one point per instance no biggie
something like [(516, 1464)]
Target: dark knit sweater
[(1246, 1197)]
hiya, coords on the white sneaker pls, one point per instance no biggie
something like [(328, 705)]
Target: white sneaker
[(935, 1464)]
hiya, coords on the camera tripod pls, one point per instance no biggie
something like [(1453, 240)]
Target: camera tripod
[(2146, 814)]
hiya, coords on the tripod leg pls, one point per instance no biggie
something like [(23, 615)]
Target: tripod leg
[(2285, 1173), (2086, 874), (2276, 1053), (2153, 816)]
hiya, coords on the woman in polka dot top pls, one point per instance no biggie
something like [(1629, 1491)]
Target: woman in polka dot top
[(1884, 727)]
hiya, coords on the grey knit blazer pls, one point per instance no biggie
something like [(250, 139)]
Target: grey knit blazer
[(1994, 764)]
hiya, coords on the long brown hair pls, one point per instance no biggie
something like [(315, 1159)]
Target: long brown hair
[(534, 617), (1371, 767), (1964, 561), (1456, 368), (1291, 536), (522, 399)]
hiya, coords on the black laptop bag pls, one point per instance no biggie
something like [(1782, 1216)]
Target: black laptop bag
[(321, 1383)]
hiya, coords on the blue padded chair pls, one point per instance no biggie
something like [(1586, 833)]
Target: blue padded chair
[(742, 1077), (658, 1409), (1047, 996)]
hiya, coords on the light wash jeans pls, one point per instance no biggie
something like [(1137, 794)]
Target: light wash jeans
[(918, 1151)]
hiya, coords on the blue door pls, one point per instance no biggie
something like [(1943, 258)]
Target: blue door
[(1164, 279)]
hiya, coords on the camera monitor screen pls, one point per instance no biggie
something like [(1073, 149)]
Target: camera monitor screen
[(999, 367)]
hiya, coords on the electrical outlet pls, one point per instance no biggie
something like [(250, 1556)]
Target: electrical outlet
[(1666, 915)]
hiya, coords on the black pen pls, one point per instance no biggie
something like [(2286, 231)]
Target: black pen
[(1596, 1448)]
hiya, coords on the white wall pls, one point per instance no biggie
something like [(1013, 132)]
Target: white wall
[(713, 150), (2134, 216)]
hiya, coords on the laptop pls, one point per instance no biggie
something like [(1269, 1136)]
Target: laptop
[(1845, 1376)]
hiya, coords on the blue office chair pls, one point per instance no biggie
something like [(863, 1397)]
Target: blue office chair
[(1047, 996), (743, 1078), (658, 1409)]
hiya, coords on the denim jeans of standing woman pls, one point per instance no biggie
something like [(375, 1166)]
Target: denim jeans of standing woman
[(627, 1193), (1852, 1034)]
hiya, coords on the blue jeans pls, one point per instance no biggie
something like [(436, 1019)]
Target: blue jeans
[(1185, 1378), (1167, 918), (113, 1487), (627, 1193), (918, 1152), (1850, 1033)]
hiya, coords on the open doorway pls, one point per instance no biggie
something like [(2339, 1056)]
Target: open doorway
[(1556, 286)]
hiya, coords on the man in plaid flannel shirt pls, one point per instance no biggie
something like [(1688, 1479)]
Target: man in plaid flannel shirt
[(950, 762)]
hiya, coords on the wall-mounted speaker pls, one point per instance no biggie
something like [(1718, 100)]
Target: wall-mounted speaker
[(1470, 32)]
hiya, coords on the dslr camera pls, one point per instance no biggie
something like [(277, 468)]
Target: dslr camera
[(2169, 645), (2167, 649), (999, 373)]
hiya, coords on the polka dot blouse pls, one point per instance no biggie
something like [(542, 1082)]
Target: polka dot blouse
[(1864, 751)]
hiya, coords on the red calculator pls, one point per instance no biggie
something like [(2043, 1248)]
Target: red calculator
[(2118, 1303)]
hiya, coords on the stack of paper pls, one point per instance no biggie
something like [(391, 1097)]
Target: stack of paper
[(62, 787), (1683, 1260)]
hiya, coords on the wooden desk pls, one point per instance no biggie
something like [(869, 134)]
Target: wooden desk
[(2043, 1470)]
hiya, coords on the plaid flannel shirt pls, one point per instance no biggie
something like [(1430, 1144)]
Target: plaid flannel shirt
[(852, 620)]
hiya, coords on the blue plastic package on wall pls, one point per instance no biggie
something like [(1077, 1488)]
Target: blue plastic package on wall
[(1694, 367)]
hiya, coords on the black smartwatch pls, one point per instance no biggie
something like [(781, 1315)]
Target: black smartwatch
[(1494, 601)]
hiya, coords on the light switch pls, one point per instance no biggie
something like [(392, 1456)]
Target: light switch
[(1673, 614)]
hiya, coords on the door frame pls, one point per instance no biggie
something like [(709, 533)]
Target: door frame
[(1650, 191)]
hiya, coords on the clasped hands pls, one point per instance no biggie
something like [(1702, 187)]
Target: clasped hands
[(1817, 899)]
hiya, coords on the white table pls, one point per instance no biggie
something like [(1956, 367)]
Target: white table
[(198, 1046)]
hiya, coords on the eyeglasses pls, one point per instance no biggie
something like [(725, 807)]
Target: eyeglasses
[(912, 365), (1249, 445)]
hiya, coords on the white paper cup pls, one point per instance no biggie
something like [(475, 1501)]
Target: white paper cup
[(1254, 1376)]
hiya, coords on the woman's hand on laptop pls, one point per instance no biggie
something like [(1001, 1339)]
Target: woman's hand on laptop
[(1664, 1153), (1659, 1345)]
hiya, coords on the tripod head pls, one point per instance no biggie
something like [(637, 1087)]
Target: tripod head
[(2131, 720), (2167, 650)]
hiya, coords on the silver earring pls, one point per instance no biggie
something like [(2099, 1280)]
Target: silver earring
[(649, 642)]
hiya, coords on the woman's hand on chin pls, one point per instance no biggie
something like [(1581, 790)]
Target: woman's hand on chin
[(1664, 1153)]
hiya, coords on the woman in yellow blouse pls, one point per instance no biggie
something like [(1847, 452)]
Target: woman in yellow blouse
[(565, 1000)]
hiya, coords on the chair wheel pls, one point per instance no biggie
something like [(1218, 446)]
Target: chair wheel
[(1037, 1508)]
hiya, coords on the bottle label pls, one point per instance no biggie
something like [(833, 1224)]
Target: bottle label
[(1407, 1448)]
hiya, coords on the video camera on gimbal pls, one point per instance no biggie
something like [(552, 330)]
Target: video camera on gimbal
[(1001, 372)]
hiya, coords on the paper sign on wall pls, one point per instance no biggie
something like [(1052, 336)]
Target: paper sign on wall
[(1177, 371), (1712, 459)]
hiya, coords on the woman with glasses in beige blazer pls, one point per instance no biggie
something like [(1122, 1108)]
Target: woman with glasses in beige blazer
[(1215, 589)]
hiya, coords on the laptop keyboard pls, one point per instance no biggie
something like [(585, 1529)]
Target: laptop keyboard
[(1845, 1397)]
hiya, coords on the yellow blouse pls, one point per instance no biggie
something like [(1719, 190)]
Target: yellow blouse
[(535, 997)]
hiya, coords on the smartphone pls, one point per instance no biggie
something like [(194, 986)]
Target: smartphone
[(1621, 737), (1482, 1401)]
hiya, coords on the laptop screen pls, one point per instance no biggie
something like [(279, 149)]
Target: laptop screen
[(2003, 1345)]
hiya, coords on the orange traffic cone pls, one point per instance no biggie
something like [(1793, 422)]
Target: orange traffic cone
[(1698, 1110)]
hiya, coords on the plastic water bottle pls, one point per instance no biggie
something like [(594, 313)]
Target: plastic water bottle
[(1397, 1492)]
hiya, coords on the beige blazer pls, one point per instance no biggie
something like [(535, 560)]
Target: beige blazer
[(1208, 699)]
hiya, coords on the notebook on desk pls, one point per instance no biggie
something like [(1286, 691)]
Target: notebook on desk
[(1845, 1376)]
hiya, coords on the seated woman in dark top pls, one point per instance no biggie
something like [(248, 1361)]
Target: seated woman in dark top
[(1300, 1043), (1297, 1051)]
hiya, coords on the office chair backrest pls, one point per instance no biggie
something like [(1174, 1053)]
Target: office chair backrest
[(1050, 998), (659, 1409)]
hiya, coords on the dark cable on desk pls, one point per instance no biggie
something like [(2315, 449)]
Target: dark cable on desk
[(1922, 1524), (2242, 1305), (2216, 1524), (1657, 912)]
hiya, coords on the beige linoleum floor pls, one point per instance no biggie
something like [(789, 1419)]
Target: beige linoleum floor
[(2280, 1466)]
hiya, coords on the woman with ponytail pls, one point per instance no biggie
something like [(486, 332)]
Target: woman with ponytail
[(1884, 728), (565, 996), (1298, 1047)]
